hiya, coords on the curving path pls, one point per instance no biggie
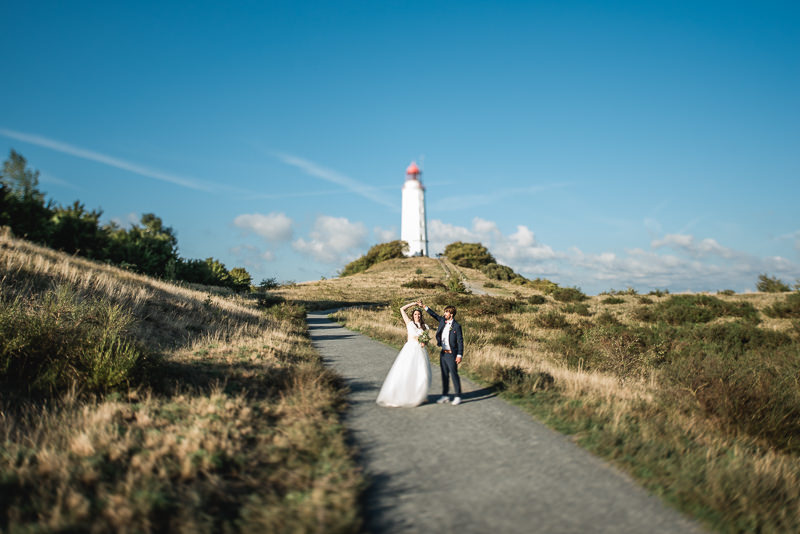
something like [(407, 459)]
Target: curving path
[(483, 466)]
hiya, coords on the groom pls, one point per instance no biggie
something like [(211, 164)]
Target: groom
[(450, 338)]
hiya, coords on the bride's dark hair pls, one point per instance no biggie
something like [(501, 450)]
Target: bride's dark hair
[(421, 322)]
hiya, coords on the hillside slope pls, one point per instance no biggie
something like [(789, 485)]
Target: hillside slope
[(223, 418), (694, 395)]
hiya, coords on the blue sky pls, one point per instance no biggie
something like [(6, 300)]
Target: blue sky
[(597, 144)]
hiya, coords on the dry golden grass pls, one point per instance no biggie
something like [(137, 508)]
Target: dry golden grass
[(235, 427), (730, 480)]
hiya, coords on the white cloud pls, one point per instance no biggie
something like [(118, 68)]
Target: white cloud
[(111, 161), (272, 226), (700, 249), (521, 245), (385, 235), (333, 240), (251, 257), (695, 265)]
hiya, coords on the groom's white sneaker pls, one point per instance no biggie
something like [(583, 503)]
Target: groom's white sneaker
[(444, 399), (456, 401)]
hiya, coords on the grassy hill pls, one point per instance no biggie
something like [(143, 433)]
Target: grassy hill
[(130, 404), (696, 396), (127, 403)]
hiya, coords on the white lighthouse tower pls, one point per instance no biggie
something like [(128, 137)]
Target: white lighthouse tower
[(413, 228)]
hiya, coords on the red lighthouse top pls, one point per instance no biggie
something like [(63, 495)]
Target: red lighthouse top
[(413, 169)]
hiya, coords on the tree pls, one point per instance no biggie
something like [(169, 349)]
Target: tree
[(21, 181), (240, 279), (22, 205), (771, 284), (150, 248), (75, 230)]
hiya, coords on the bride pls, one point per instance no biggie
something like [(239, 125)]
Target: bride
[(410, 376)]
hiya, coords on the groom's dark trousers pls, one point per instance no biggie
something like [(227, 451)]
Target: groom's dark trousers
[(447, 361)]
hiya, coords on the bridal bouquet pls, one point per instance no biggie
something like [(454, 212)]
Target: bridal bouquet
[(424, 337)]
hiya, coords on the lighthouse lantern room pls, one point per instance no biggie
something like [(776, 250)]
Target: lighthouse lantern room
[(413, 225)]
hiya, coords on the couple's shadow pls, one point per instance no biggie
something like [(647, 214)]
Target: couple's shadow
[(469, 396)]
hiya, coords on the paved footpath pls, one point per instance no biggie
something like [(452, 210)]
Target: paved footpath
[(483, 466)]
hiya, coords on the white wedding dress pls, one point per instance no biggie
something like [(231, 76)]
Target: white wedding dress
[(409, 378)]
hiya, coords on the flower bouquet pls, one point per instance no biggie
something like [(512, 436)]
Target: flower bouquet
[(424, 337)]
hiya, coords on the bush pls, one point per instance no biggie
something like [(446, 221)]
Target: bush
[(421, 283), (727, 292), (516, 380), (607, 319), (627, 291), (240, 279), (268, 283), (472, 255), (537, 299), (659, 292), (613, 300), (687, 309), (568, 294), (744, 378), (578, 308), (455, 285), (645, 300), (768, 284), (499, 272), (550, 319), (64, 339), (788, 308), (376, 254)]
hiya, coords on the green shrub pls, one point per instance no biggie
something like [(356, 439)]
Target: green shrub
[(516, 380), (606, 319), (788, 308), (489, 285), (455, 285), (578, 308), (537, 299), (63, 339), (376, 254), (727, 292), (772, 284), (613, 300), (473, 255), (744, 378), (421, 283), (627, 291), (659, 292), (550, 319), (687, 309), (645, 300), (568, 294), (572, 346), (499, 272), (542, 284)]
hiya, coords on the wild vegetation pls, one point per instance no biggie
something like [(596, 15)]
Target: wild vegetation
[(129, 404), (149, 247), (695, 395), (376, 254)]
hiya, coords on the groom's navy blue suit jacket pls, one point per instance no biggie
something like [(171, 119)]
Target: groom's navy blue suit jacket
[(456, 338)]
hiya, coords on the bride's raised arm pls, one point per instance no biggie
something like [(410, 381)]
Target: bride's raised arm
[(406, 320)]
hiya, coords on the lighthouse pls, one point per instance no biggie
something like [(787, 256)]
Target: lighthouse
[(414, 230)]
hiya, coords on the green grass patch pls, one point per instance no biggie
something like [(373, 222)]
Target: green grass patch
[(65, 339)]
